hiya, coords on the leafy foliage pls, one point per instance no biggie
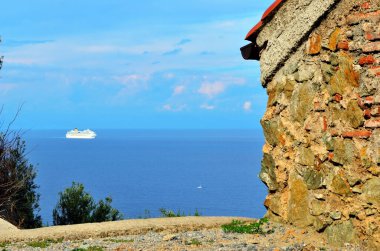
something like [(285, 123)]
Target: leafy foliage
[(237, 226), (76, 206), (18, 191)]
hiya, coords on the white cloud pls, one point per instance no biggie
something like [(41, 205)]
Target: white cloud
[(207, 107), (173, 108), (212, 89), (247, 106), (179, 89), (132, 84)]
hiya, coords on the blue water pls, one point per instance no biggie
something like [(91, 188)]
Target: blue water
[(148, 170)]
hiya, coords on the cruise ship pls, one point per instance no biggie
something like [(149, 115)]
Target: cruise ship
[(76, 134)]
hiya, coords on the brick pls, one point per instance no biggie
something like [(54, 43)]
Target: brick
[(367, 114), (374, 123), (372, 36), (370, 100), (343, 45), (314, 44), (357, 18), (371, 47), (330, 156), (362, 134), (366, 5), (367, 60), (338, 97), (375, 70), (324, 123)]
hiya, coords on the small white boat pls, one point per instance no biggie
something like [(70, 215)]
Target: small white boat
[(199, 187), (76, 134)]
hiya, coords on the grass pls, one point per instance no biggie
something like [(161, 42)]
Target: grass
[(44, 243), (4, 244), (170, 213), (237, 226), (194, 242)]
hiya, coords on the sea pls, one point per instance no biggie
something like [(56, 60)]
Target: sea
[(214, 172)]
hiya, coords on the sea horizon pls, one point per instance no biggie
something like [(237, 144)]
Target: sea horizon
[(145, 170)]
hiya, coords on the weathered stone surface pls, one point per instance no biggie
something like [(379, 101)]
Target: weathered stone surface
[(340, 186), (334, 38), (271, 131), (341, 233), (298, 202), (354, 115), (306, 156), (317, 207), (345, 77), (268, 174), (371, 191), (322, 122), (313, 178), (288, 35), (300, 105), (314, 44), (344, 151)]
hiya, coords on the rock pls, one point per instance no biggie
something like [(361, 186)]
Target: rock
[(271, 132), (298, 203), (267, 173), (345, 76), (344, 151), (371, 191), (306, 156), (341, 233), (317, 207), (354, 115), (336, 215), (313, 178), (340, 186), (300, 105)]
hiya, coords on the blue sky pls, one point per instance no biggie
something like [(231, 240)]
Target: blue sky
[(150, 64)]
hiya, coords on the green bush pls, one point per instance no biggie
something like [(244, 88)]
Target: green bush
[(76, 206), (237, 226), (18, 191)]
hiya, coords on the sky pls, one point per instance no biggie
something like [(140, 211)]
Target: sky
[(127, 64)]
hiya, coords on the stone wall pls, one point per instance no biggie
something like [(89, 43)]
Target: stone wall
[(322, 127)]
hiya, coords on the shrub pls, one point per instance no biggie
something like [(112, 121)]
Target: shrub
[(76, 206), (18, 196), (237, 226)]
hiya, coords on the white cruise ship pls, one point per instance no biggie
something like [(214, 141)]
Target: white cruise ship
[(76, 134)]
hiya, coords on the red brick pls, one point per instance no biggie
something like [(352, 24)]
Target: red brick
[(375, 70), (343, 45), (370, 100), (324, 124), (371, 36), (367, 60), (330, 156), (367, 114), (375, 123), (338, 97), (363, 134), (366, 5), (357, 18), (371, 47)]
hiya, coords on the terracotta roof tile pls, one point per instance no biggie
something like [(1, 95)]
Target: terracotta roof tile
[(268, 13)]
